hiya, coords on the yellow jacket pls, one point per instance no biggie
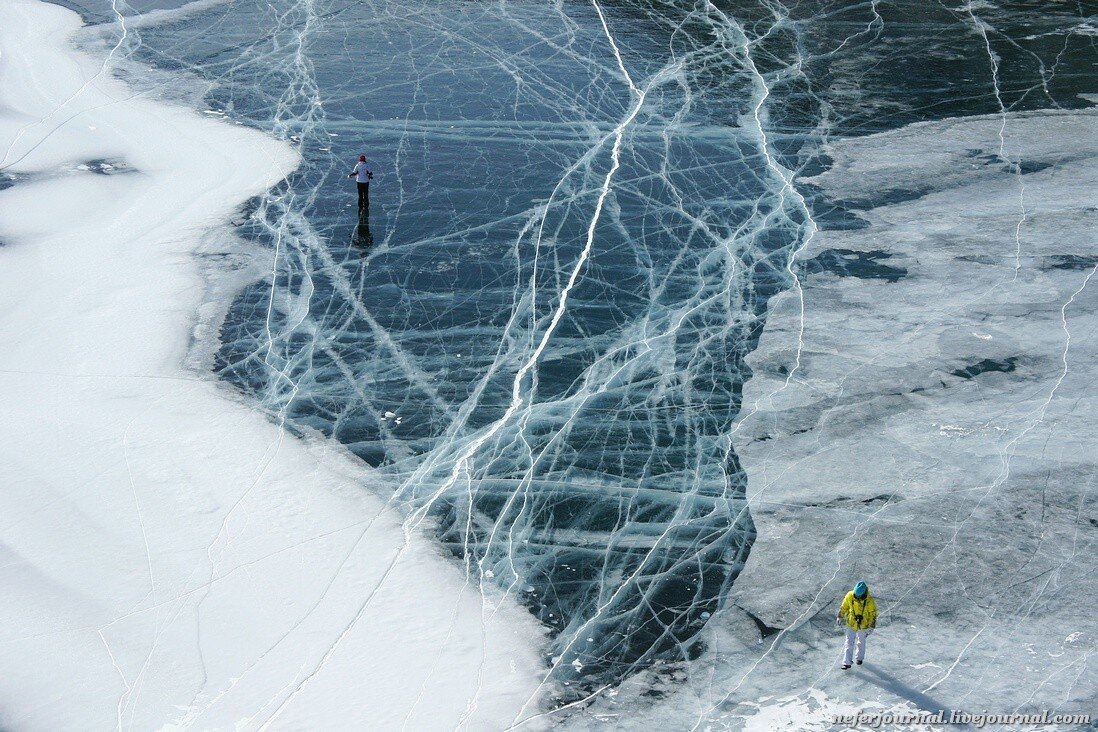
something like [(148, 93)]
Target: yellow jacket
[(859, 614)]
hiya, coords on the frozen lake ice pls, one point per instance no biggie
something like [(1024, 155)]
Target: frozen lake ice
[(670, 321)]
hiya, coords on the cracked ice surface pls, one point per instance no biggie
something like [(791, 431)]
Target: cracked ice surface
[(937, 440), (547, 373), (540, 335)]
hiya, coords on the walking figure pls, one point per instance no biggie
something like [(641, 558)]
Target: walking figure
[(859, 610), (362, 175)]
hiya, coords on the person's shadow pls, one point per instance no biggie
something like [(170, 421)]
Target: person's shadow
[(362, 238), (881, 678)]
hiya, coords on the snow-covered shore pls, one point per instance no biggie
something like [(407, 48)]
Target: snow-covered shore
[(170, 558)]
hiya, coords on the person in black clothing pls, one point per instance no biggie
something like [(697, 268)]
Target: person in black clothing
[(362, 175)]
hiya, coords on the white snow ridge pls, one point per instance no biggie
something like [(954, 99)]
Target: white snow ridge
[(170, 559)]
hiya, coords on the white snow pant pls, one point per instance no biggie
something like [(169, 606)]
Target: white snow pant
[(848, 650)]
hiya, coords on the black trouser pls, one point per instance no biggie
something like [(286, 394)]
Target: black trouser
[(363, 195)]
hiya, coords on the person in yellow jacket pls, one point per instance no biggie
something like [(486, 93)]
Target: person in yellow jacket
[(859, 610)]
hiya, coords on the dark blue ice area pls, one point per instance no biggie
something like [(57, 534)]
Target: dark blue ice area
[(580, 211), (574, 452)]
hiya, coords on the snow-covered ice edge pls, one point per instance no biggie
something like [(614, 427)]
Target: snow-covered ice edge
[(169, 557)]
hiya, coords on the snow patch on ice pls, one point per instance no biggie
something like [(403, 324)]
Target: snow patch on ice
[(809, 713)]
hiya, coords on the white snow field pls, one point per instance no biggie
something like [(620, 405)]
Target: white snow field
[(928, 425), (169, 558)]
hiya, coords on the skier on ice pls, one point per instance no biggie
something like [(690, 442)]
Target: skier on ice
[(859, 610)]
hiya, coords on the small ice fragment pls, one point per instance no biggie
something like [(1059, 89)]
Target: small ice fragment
[(706, 616), (390, 415), (982, 336), (489, 574)]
